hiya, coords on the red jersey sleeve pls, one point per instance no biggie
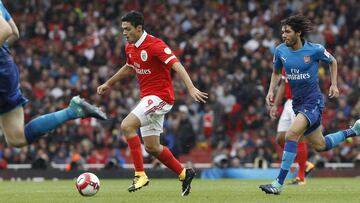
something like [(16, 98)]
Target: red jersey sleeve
[(164, 53)]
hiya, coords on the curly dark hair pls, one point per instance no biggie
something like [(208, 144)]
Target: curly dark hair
[(298, 23)]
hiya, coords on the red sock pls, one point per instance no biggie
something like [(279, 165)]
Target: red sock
[(136, 154), (168, 159), (301, 158)]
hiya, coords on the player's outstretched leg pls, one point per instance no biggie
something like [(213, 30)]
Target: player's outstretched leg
[(274, 188), (78, 108), (334, 139), (186, 183), (140, 180), (83, 109)]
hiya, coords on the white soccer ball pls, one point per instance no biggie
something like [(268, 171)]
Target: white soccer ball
[(88, 184)]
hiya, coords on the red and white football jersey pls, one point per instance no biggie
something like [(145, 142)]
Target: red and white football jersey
[(288, 93), (152, 60)]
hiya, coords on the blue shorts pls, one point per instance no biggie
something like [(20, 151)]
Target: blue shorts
[(10, 94), (312, 111)]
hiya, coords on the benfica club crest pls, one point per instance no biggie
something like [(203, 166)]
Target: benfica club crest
[(143, 55), (306, 59)]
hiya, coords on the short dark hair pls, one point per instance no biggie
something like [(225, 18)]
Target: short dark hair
[(134, 17), (298, 23)]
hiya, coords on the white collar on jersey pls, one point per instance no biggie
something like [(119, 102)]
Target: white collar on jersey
[(141, 40)]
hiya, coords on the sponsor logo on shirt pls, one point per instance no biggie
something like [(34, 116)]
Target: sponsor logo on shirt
[(141, 71), (296, 75)]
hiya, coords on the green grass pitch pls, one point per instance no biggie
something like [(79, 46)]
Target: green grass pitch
[(165, 191)]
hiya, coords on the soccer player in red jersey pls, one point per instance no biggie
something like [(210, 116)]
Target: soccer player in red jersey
[(286, 118), (152, 60)]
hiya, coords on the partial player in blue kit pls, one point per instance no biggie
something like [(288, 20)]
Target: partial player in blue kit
[(300, 60), (12, 101)]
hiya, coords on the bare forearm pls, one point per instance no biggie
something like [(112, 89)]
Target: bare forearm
[(196, 94), (123, 72), (280, 94), (333, 71), (274, 81), (183, 75)]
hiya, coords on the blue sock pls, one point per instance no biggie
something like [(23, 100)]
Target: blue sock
[(287, 159), (332, 140), (45, 123)]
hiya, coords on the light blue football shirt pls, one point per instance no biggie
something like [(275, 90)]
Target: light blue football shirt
[(301, 68)]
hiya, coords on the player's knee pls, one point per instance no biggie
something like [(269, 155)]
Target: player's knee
[(17, 143), (320, 147), (152, 149), (126, 128), (16, 137), (292, 135)]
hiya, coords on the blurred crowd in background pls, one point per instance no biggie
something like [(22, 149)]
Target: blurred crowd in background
[(69, 47)]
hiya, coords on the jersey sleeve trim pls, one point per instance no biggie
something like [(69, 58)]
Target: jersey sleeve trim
[(169, 59), (130, 65)]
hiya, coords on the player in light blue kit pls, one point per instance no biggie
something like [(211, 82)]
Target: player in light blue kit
[(12, 101), (300, 60)]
